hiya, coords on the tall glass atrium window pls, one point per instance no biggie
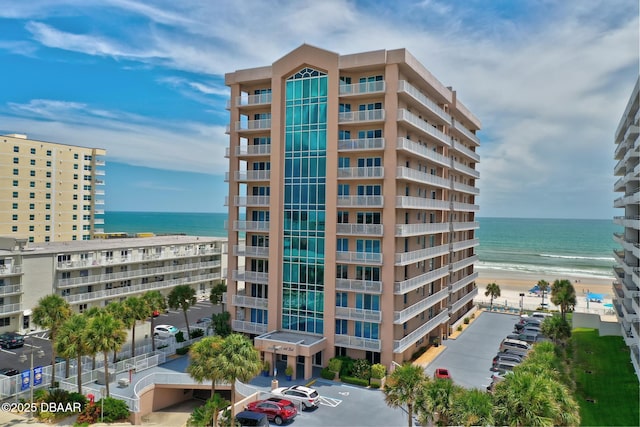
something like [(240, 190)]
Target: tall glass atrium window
[(304, 201)]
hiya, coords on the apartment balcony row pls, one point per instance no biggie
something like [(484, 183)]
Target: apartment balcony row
[(135, 274), (466, 132), (143, 287), (250, 276), (620, 185), (408, 174), (360, 201), (100, 163), (244, 176), (359, 258), (417, 282), (421, 254), (376, 172), (251, 251), (363, 144), (364, 88), (459, 167), (409, 89), (410, 202), (361, 286), (251, 302), (99, 192), (456, 286), (400, 346), (407, 230), (464, 150), (625, 289), (359, 314), (461, 226), (357, 343), (399, 317), (250, 151), (252, 125), (628, 199), (457, 305), (359, 229), (249, 327), (98, 202), (98, 211), (459, 265), (250, 226), (7, 290), (365, 116), (248, 201), (10, 270), (465, 207), (464, 188), (98, 221), (140, 257), (7, 309), (421, 125), (251, 100), (415, 148), (465, 244)]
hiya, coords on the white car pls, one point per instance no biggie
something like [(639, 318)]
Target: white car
[(308, 397), (165, 331)]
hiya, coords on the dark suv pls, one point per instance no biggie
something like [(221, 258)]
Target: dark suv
[(9, 372), (11, 340)]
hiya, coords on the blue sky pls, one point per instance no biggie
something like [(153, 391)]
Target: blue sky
[(548, 79)]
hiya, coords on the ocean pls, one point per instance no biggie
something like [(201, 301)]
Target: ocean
[(562, 247)]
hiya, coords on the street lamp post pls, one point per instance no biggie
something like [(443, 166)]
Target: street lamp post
[(23, 358), (521, 303), (103, 393)]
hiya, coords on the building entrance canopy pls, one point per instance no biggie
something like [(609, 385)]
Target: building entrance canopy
[(292, 345)]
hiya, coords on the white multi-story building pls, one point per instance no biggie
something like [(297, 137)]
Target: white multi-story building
[(95, 272), (627, 270)]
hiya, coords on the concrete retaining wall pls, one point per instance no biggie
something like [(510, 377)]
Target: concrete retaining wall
[(594, 321)]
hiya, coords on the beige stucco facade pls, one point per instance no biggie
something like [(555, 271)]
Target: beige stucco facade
[(49, 191), (400, 177)]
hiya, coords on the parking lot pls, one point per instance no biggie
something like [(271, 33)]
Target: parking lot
[(469, 357)]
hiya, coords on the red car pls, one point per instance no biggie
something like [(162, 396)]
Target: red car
[(276, 410), (442, 373)]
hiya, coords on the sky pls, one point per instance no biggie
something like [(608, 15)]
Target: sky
[(549, 81)]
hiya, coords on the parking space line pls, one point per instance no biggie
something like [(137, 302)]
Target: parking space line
[(7, 351), (329, 401)]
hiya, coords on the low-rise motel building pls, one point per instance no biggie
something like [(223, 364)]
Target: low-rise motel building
[(352, 202)]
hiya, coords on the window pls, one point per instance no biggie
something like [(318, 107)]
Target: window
[(32, 184), (32, 227), (341, 271), (341, 327), (47, 217), (341, 299), (369, 190), (32, 195), (75, 176), (368, 246), (16, 149), (75, 156), (74, 227), (369, 218), (32, 173), (367, 330), (14, 228), (47, 206), (75, 197), (368, 302), (48, 174), (75, 166), (368, 273), (33, 151), (46, 238), (343, 162), (47, 228), (75, 217), (75, 207), (16, 172), (344, 135), (373, 133), (32, 206), (32, 217), (343, 217), (342, 245), (15, 182), (14, 217), (5, 321), (47, 185), (14, 206), (32, 162), (49, 163), (370, 162), (48, 152), (75, 186), (15, 194), (371, 106), (87, 158), (47, 196), (343, 189), (344, 108)]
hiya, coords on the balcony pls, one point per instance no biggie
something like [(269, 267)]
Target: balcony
[(244, 176), (466, 207), (400, 346), (361, 172), (248, 201), (466, 132), (404, 144), (251, 251), (421, 254), (459, 265), (408, 88), (98, 221), (463, 282), (413, 175), (10, 290), (363, 88), (361, 116), (359, 314), (246, 301), (249, 327), (10, 308), (409, 202), (465, 244), (359, 258), (399, 317), (461, 148), (99, 202), (464, 188), (10, 270), (360, 201), (463, 301), (419, 281), (359, 229), (250, 150), (421, 125), (457, 166), (251, 100), (460, 226), (355, 285), (365, 144), (357, 343), (407, 230), (250, 276), (255, 226), (253, 125)]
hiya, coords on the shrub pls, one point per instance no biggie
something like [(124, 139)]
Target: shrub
[(354, 380), (327, 374), (288, 370), (418, 353), (266, 366), (346, 367), (182, 350), (459, 328), (335, 364), (197, 333), (89, 415), (374, 385), (466, 320), (378, 371), (180, 337), (473, 315), (77, 397), (362, 369), (114, 410)]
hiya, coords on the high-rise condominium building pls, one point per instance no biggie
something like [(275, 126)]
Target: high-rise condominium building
[(627, 270), (352, 187), (50, 192)]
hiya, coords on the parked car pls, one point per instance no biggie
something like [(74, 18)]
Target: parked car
[(9, 372), (165, 331), (528, 321), (11, 340), (441, 373), (252, 419), (540, 315), (508, 357), (504, 366), (276, 409), (203, 320), (530, 337), (308, 397), (156, 313), (515, 346)]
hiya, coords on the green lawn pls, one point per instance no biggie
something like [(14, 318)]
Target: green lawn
[(612, 383)]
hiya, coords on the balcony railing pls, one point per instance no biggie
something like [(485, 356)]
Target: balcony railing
[(359, 229), (246, 301), (404, 86), (409, 174), (262, 98), (466, 170), (251, 150), (10, 289), (263, 175), (250, 276), (465, 244), (463, 282), (417, 122), (251, 251), (400, 346), (457, 206), (459, 226), (256, 226), (262, 124), (410, 202), (464, 188), (358, 343), (405, 230), (423, 151), (362, 88), (359, 257), (419, 281), (462, 301), (248, 201), (359, 314), (363, 144), (399, 317), (466, 132), (458, 146), (360, 201), (249, 327), (459, 265), (361, 172), (361, 116), (10, 308), (355, 285), (421, 254), (8, 270)]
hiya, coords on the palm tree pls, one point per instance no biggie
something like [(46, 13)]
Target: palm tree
[(204, 360), (494, 291), (70, 342), (155, 301), (137, 310), (403, 387), (239, 360), (216, 293), (543, 285), (105, 333), (183, 297), (207, 415), (89, 313), (437, 397), (472, 408), (121, 312), (556, 328), (563, 295), (50, 313)]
